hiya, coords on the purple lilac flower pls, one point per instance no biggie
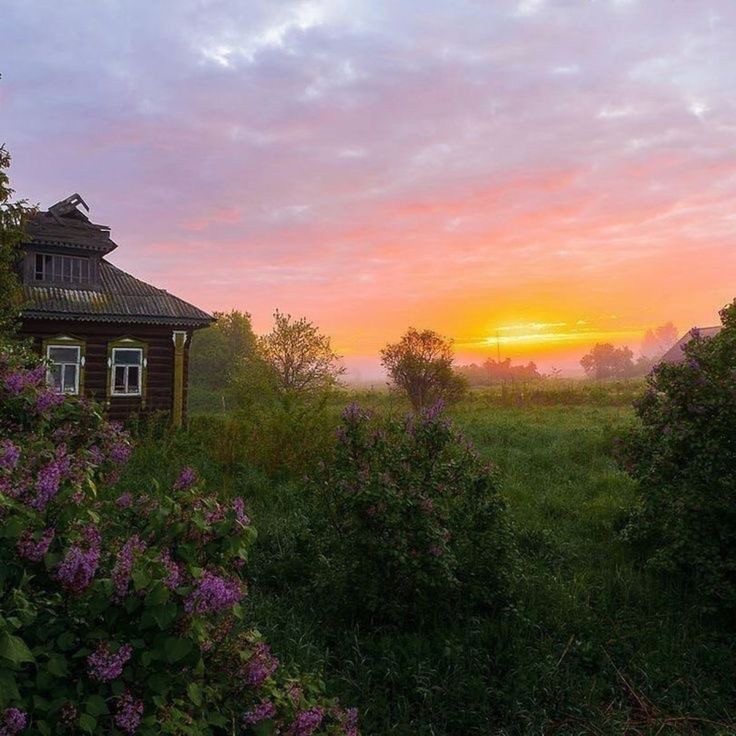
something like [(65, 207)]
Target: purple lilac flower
[(124, 500), (9, 454), (104, 666), (187, 478), (239, 508), (434, 412), (261, 665), (129, 713), (97, 456), (212, 594), (13, 721), (215, 516), (120, 453), (307, 722), (48, 400), (174, 573), (47, 485), (15, 383), (124, 565), (80, 563), (349, 721), (264, 711), (353, 413), (35, 549)]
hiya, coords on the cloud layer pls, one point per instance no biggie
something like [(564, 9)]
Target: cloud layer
[(465, 166)]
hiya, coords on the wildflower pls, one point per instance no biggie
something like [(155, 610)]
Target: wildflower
[(9, 454), (213, 594), (34, 549), (124, 500), (261, 665), (353, 413), (187, 478), (349, 721), (80, 563), (96, 455), (307, 722), (13, 721), (129, 713), (124, 565), (264, 711), (239, 508), (104, 666), (173, 568)]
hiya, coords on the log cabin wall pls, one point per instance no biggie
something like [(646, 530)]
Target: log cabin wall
[(159, 373)]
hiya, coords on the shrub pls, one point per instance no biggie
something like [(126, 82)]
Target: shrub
[(683, 454), (409, 522), (120, 612)]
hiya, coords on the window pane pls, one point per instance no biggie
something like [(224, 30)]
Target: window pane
[(67, 269), (63, 354), (56, 264), (85, 269), (53, 377), (39, 266), (75, 270), (133, 382), (119, 386), (127, 357), (70, 378)]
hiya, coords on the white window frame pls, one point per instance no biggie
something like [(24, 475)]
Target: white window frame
[(78, 365), (114, 366)]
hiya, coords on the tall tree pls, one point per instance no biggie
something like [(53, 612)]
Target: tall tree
[(607, 361), (300, 357), (13, 215), (421, 366), (218, 351)]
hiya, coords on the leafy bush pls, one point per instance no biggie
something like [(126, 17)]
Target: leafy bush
[(684, 456), (408, 522), (121, 613)]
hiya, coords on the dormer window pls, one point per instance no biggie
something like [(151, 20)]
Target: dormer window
[(62, 269)]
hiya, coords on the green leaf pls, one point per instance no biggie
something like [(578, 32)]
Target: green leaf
[(14, 649), (176, 648), (57, 665), (195, 693), (95, 705), (87, 723)]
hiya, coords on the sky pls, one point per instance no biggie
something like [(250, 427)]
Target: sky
[(526, 177)]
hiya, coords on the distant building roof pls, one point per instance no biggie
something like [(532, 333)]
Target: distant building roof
[(676, 353)]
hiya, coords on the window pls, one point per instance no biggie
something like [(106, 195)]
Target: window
[(127, 371), (66, 269), (63, 373)]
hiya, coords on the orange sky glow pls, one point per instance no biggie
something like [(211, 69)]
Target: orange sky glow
[(526, 177)]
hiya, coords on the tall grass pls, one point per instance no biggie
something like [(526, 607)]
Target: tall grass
[(594, 643)]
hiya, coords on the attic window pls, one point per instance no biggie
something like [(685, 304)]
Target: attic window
[(64, 269)]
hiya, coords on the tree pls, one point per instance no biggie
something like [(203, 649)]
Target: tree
[(420, 365), (606, 361), (13, 216), (658, 341), (218, 351), (299, 357), (683, 455)]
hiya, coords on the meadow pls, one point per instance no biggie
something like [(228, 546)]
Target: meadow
[(593, 642)]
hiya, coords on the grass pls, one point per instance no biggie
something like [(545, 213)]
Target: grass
[(594, 643)]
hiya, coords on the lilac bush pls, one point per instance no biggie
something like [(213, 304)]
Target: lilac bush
[(121, 611)]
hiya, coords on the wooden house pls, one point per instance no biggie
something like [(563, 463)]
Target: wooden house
[(106, 334)]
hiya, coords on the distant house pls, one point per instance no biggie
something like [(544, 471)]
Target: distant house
[(676, 353), (106, 334)]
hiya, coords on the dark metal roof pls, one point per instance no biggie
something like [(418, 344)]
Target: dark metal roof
[(120, 298), (676, 354), (65, 226)]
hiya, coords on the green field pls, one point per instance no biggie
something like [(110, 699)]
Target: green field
[(594, 642)]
